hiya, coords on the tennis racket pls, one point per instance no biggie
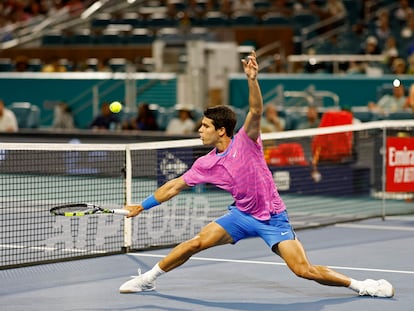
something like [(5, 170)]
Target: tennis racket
[(84, 209)]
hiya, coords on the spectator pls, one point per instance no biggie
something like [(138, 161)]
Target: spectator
[(383, 28), (106, 120), (63, 118), (21, 63), (197, 10), (144, 121), (183, 124), (282, 7), (242, 7), (312, 119), (271, 121), (403, 12), (397, 101), (407, 30), (54, 66), (409, 104), (390, 51), (8, 121), (330, 9), (410, 64), (399, 66), (371, 46)]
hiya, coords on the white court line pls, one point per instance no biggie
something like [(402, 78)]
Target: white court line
[(376, 227), (273, 263), (50, 249)]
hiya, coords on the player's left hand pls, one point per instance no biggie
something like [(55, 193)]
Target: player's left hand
[(250, 66)]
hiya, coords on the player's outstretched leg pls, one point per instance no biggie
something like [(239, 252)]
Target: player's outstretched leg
[(295, 257), (211, 235)]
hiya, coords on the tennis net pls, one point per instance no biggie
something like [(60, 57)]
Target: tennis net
[(367, 170)]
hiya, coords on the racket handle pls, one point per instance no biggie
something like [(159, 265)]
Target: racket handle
[(121, 211)]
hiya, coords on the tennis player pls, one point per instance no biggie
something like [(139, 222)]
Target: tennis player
[(237, 165)]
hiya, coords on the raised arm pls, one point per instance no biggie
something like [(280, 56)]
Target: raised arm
[(252, 122)]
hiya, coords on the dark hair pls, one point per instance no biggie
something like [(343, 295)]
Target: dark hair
[(222, 116)]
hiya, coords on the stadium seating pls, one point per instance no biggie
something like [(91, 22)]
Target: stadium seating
[(6, 64), (27, 115)]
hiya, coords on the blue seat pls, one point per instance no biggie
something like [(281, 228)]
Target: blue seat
[(82, 37), (243, 20), (131, 18), (304, 19), (27, 115), (160, 20), (215, 19), (53, 38), (109, 37), (140, 36), (117, 64), (35, 65), (365, 116), (101, 21), (164, 117), (401, 115), (275, 19), (6, 64)]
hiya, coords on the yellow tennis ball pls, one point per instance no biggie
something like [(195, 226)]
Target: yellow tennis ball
[(115, 107)]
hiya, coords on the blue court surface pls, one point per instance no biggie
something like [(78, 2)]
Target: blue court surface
[(245, 276)]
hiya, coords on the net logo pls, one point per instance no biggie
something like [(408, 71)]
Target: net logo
[(172, 164), (3, 154), (282, 180)]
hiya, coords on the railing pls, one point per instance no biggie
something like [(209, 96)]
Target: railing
[(332, 25), (64, 19), (335, 59), (309, 96)]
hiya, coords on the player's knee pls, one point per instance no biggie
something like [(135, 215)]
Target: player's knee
[(194, 245)]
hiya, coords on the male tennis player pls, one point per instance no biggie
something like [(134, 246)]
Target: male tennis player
[(237, 165)]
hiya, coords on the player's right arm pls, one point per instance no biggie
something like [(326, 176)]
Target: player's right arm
[(164, 193)]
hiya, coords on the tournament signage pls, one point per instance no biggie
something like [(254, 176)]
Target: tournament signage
[(400, 164)]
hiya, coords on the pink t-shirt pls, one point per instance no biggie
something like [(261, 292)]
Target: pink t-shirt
[(242, 171)]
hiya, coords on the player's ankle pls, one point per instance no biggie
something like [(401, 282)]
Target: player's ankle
[(355, 285), (153, 274)]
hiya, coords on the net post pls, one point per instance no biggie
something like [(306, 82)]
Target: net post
[(128, 187), (384, 172)]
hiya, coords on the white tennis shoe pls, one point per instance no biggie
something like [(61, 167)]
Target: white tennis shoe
[(380, 288), (137, 284)]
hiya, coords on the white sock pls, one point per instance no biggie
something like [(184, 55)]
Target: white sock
[(355, 285), (154, 273)]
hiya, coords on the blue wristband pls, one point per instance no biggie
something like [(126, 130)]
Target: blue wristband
[(150, 202)]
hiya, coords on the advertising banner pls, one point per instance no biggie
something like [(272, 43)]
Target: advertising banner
[(400, 164)]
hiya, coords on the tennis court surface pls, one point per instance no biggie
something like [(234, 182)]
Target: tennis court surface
[(245, 276)]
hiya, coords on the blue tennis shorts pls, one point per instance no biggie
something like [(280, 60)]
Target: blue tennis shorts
[(241, 225)]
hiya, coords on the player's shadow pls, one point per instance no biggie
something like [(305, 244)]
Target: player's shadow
[(245, 306)]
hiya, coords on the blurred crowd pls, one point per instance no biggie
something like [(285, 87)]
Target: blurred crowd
[(18, 13), (389, 32)]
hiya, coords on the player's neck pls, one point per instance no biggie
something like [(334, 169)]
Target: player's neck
[(223, 143)]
